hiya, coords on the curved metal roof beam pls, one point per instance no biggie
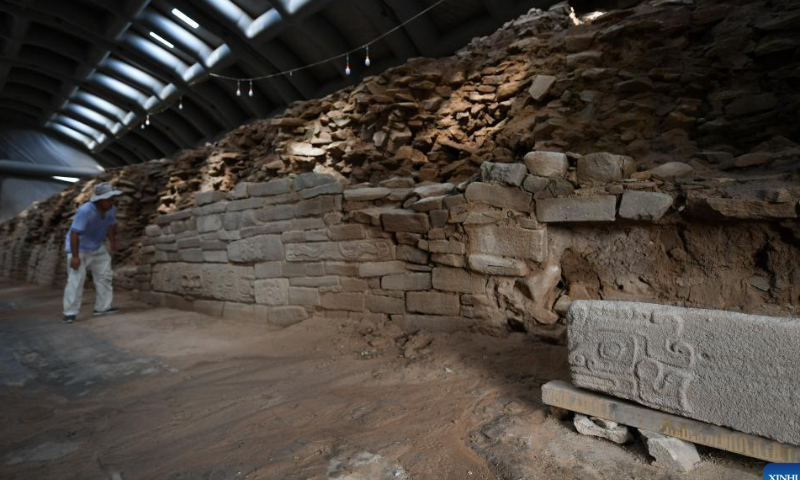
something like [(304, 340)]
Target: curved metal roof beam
[(161, 70), (29, 76), (195, 119), (132, 75), (243, 50), (398, 42), (131, 121), (27, 90), (29, 102), (302, 83), (327, 40), (199, 118), (79, 126), (135, 146), (142, 149), (90, 115), (111, 159), (57, 40), (222, 102), (86, 141), (121, 151), (175, 126), (268, 24), (230, 12), (23, 109), (101, 105), (422, 31), (299, 8), (219, 54), (159, 139), (120, 88)]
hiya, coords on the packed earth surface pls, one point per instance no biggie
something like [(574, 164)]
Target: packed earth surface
[(163, 394)]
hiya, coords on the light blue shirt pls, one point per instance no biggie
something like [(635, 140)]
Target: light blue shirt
[(91, 226)]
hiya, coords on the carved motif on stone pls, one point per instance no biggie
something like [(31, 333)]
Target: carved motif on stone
[(304, 252), (363, 250), (658, 375)]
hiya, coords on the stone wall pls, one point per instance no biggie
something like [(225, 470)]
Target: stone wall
[(485, 255)]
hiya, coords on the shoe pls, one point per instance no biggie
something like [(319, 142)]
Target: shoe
[(106, 312), (68, 318)]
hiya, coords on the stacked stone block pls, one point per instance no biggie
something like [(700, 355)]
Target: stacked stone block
[(435, 256)]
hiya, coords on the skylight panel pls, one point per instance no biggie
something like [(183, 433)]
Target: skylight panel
[(185, 18), (184, 40), (65, 179), (156, 52), (161, 39)]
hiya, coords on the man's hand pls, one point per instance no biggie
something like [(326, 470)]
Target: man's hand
[(75, 262), (112, 248)]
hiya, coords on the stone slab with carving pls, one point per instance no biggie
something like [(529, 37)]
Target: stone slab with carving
[(726, 368), (355, 251)]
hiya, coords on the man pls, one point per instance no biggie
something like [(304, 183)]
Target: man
[(93, 222)]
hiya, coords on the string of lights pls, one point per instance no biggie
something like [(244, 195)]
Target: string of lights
[(248, 81)]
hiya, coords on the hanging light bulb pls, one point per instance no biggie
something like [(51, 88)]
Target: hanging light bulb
[(238, 88), (141, 126), (147, 120), (347, 68), (366, 59), (180, 104), (290, 72), (250, 93)]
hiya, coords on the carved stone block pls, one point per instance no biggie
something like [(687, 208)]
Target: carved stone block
[(731, 369), (273, 291), (256, 249), (355, 251)]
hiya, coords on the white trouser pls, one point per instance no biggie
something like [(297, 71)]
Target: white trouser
[(99, 263)]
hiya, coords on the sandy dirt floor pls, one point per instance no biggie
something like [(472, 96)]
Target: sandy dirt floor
[(165, 394)]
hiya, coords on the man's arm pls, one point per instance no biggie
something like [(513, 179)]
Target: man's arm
[(112, 238), (74, 243)]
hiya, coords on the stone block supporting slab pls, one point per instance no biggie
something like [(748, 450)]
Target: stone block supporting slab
[(597, 427), (566, 396), (725, 368), (670, 452)]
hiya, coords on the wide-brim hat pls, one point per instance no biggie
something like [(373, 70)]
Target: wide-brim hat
[(103, 191)]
